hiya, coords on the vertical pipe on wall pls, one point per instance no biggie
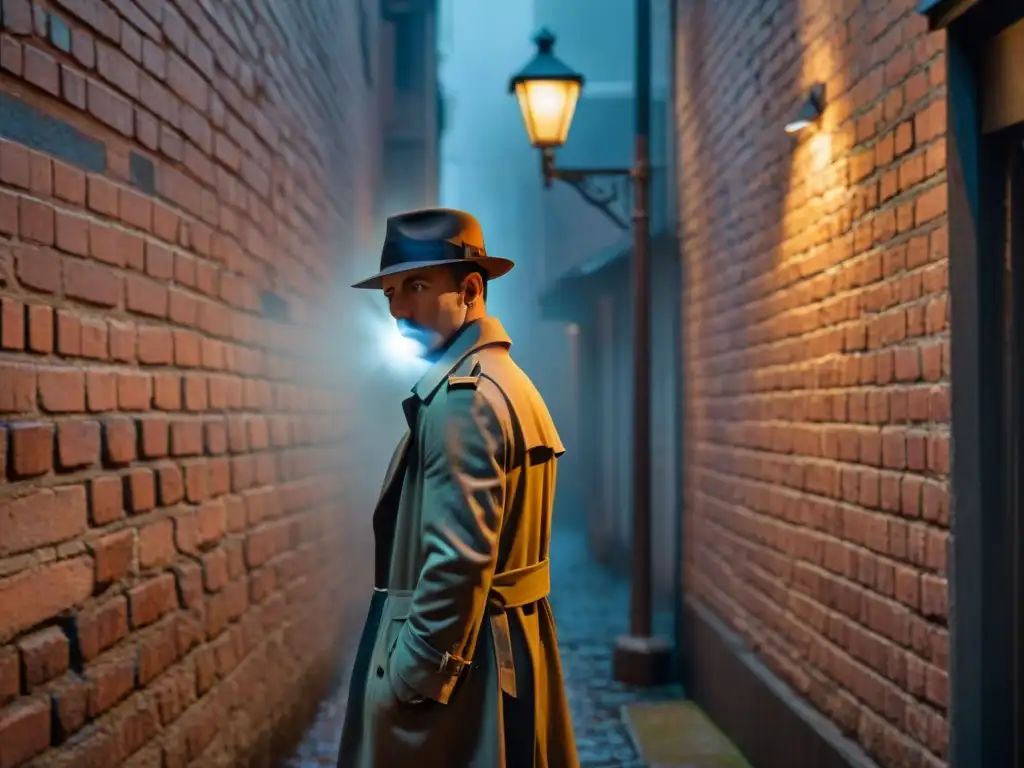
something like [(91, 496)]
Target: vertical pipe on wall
[(640, 620)]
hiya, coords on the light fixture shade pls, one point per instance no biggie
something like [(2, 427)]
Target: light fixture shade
[(810, 112), (548, 91), (548, 107)]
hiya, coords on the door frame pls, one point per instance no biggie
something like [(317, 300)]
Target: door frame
[(1014, 446), (981, 715)]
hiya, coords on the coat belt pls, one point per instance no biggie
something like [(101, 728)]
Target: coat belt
[(509, 590), (514, 589)]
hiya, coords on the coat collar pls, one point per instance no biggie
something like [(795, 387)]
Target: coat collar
[(485, 332)]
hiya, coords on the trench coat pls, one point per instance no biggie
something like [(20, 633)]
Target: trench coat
[(458, 666)]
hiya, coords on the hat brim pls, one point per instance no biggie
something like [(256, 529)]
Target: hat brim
[(493, 266)]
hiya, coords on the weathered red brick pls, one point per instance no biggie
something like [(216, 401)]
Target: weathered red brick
[(31, 597), (152, 599), (186, 438), (40, 69), (31, 448), (94, 339), (70, 696), (119, 440), (157, 652), (118, 69), (100, 391), (68, 333), (146, 297), (156, 544), (122, 341), (134, 391), (12, 324), (24, 731), (171, 484), (9, 213), (109, 108), (196, 480), (114, 555), (46, 516), (78, 444), (37, 268), (40, 181), (10, 675), (136, 210), (106, 502), (44, 656), (140, 490), (106, 244), (155, 346), (40, 329), (215, 570), (62, 390), (92, 283), (101, 627), (111, 679), (167, 391), (154, 437)]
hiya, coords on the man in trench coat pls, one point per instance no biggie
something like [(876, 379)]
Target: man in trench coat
[(458, 665)]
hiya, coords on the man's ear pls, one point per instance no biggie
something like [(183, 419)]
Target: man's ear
[(472, 288)]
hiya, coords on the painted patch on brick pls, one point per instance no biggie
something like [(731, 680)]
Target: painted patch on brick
[(274, 307), (38, 130), (60, 34), (142, 173)]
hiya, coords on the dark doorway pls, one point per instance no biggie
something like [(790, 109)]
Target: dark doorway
[(985, 167)]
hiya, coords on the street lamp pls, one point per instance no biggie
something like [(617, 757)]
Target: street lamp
[(548, 91)]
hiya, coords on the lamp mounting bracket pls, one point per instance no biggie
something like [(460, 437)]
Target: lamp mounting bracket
[(602, 188)]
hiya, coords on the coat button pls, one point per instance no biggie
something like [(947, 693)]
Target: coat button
[(380, 671)]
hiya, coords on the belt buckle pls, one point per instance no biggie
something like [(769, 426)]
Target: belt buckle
[(448, 659)]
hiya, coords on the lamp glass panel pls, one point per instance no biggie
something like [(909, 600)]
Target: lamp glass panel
[(548, 107)]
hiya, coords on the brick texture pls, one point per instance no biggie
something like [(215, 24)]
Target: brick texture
[(169, 456), (817, 354)]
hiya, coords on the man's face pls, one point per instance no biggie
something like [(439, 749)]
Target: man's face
[(427, 304)]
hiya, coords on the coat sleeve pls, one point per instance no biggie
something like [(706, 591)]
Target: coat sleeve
[(464, 451)]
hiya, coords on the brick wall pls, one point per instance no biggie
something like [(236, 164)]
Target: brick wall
[(817, 354), (174, 177)]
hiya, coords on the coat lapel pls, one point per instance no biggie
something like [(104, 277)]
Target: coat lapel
[(396, 469), (397, 461)]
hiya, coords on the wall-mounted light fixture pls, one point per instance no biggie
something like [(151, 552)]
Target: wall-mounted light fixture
[(811, 110)]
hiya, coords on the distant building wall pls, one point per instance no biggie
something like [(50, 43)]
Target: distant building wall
[(410, 119)]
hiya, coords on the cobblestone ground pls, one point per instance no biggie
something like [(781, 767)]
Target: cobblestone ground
[(591, 610)]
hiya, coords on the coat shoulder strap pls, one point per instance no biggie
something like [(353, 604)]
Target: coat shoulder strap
[(466, 374)]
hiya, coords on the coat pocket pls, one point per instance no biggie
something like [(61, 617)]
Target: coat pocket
[(394, 617)]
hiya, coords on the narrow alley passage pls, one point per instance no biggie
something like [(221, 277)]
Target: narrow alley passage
[(591, 609)]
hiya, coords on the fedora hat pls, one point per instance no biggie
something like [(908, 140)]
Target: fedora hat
[(431, 237)]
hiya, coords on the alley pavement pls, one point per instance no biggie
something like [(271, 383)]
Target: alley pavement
[(591, 607)]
